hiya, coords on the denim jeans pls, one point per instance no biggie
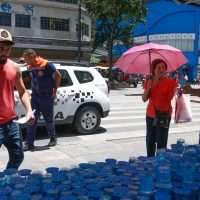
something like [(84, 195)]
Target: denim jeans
[(11, 137), (155, 136)]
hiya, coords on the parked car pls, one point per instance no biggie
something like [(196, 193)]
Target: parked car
[(82, 98)]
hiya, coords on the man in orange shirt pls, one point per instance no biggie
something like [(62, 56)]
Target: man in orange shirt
[(10, 77)]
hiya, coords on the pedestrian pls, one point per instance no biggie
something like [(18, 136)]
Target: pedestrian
[(159, 90), (10, 77), (45, 79)]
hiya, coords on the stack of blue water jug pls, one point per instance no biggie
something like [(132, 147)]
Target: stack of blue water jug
[(172, 174)]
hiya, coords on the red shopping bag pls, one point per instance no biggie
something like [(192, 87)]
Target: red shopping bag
[(183, 111)]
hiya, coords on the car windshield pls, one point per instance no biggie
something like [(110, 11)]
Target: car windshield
[(65, 79)]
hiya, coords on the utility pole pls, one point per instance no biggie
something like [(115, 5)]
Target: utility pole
[(79, 32)]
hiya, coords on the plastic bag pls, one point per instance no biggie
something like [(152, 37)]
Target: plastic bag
[(183, 111)]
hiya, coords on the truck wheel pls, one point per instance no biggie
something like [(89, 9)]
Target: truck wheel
[(87, 120)]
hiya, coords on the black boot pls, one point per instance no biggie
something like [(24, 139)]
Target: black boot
[(29, 147), (53, 142)]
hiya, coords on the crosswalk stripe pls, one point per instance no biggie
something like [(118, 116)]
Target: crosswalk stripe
[(110, 118), (143, 123), (141, 111)]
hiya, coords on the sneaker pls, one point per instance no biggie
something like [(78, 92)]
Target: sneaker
[(53, 142), (29, 147)]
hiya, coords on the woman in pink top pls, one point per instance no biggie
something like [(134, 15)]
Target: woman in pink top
[(10, 77)]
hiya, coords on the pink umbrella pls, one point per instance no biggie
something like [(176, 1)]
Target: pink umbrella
[(137, 60)]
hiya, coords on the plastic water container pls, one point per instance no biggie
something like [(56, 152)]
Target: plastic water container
[(163, 177), (52, 170), (105, 197), (5, 191), (69, 197), (23, 196), (53, 193), (175, 159), (181, 193), (24, 172), (36, 197), (161, 155), (187, 170), (95, 194), (146, 183), (2, 179), (8, 175), (162, 195), (15, 194)]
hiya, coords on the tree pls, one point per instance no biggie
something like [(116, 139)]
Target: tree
[(116, 20)]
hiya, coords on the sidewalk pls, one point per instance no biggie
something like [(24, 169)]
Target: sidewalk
[(71, 151)]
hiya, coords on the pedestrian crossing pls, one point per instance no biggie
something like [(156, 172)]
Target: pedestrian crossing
[(127, 118)]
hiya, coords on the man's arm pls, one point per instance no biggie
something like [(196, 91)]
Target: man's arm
[(57, 77), (23, 94)]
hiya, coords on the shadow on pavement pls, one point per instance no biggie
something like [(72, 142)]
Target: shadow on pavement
[(61, 130), (41, 148)]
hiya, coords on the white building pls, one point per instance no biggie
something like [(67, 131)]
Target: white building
[(48, 26)]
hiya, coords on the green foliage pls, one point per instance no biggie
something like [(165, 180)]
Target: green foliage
[(94, 61), (117, 18)]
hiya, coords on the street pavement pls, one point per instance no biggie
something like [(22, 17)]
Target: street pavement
[(121, 136)]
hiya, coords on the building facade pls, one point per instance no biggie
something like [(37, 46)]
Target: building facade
[(176, 24), (48, 26)]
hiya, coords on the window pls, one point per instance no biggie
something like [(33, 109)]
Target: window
[(84, 29), (83, 76), (65, 79), (54, 24), (27, 79), (22, 21), (5, 19), (66, 1)]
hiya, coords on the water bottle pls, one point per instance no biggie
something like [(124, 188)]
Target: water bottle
[(53, 193), (9, 173), (15, 194), (24, 172), (36, 197), (163, 178), (187, 170), (5, 191), (146, 183), (175, 159), (180, 144), (181, 193), (68, 197), (23, 196), (162, 194), (2, 179)]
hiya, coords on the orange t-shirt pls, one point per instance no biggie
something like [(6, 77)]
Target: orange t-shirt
[(7, 83), (161, 96)]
